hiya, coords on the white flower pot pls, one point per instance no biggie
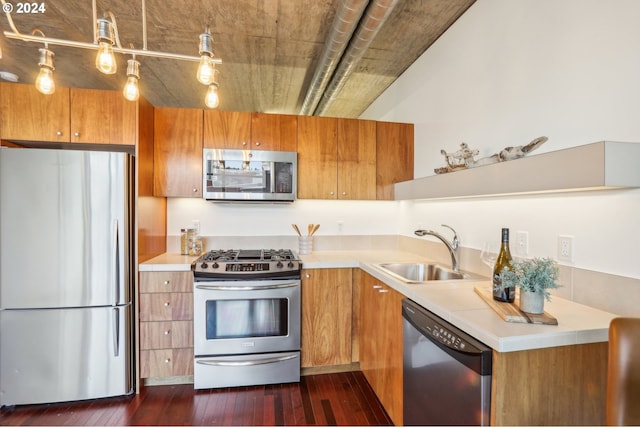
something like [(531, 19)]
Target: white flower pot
[(531, 302)]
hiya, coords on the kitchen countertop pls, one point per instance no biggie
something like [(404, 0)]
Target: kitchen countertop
[(454, 301)]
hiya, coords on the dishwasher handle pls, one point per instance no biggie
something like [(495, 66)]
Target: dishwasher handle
[(473, 354)]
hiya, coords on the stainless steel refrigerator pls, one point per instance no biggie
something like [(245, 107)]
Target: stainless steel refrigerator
[(65, 275)]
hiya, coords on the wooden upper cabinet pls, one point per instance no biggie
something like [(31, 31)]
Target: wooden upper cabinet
[(227, 129), (356, 159), (250, 131), (394, 156), (178, 152), (28, 115), (275, 132), (67, 115), (317, 157), (102, 117)]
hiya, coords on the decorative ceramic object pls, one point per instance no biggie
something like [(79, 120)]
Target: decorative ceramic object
[(531, 302)]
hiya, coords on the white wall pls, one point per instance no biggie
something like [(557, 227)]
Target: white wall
[(509, 71)]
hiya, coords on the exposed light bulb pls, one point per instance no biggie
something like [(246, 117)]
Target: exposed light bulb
[(44, 81), (131, 90), (106, 60), (205, 70), (212, 100)]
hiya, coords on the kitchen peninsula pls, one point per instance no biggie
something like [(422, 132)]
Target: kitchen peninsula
[(541, 374)]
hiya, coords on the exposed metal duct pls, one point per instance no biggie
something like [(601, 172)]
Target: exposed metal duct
[(344, 24), (376, 15)]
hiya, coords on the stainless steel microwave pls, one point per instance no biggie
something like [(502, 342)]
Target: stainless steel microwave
[(249, 175)]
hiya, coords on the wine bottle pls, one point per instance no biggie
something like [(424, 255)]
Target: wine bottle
[(501, 293)]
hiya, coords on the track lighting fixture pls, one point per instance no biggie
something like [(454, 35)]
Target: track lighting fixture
[(131, 90), (44, 81), (107, 42), (206, 66), (105, 59)]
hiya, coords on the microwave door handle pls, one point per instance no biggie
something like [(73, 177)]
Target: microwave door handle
[(272, 178)]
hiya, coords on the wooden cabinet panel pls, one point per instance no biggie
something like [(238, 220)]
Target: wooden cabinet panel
[(276, 132), (159, 335), (356, 159), (550, 386), (28, 115), (394, 156), (166, 306), (166, 363), (91, 115), (227, 129), (166, 281), (326, 317), (381, 343), (317, 157), (178, 152)]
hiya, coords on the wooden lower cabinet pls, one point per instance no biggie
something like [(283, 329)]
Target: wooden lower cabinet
[(380, 341), (326, 317), (166, 324), (550, 386)]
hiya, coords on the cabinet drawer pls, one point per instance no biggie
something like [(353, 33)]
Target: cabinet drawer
[(162, 306), (166, 281), (166, 363), (159, 335)]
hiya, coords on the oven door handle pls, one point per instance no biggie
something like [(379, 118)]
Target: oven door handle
[(245, 288), (247, 362)]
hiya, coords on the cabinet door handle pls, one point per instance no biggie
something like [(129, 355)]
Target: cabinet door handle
[(383, 291), (257, 143), (167, 360), (195, 190), (76, 134), (167, 282), (307, 276), (59, 133), (167, 304), (244, 142), (167, 332), (377, 286), (344, 193), (331, 193)]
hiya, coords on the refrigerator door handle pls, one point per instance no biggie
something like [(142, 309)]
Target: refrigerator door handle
[(116, 332), (116, 262)]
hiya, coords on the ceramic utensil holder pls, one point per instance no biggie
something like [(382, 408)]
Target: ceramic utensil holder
[(305, 245)]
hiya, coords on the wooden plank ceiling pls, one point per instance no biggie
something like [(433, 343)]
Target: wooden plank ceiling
[(269, 48)]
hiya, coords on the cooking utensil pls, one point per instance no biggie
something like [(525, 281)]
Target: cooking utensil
[(309, 229), (315, 228), (295, 227)]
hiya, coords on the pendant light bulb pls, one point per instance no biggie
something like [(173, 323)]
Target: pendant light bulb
[(44, 82), (212, 100), (131, 90), (205, 70), (205, 67), (105, 60)]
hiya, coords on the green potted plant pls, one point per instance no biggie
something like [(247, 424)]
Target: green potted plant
[(534, 277)]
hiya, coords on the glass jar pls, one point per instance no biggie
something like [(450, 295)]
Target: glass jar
[(184, 242), (195, 246)]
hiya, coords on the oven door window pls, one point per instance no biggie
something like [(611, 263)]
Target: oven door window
[(247, 318)]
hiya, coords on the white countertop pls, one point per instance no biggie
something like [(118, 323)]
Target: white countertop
[(455, 302)]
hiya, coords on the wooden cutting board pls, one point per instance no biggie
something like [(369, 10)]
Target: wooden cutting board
[(511, 312)]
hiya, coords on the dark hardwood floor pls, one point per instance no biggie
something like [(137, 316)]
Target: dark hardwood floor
[(329, 399)]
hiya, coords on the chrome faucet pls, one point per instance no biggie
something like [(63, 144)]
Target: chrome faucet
[(452, 246)]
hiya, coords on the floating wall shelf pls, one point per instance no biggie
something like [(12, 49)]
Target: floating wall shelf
[(598, 166)]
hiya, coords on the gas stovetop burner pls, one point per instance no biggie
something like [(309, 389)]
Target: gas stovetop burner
[(247, 263)]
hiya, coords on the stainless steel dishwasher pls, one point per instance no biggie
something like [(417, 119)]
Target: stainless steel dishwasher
[(447, 373)]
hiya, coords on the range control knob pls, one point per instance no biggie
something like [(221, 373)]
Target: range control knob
[(279, 264), (290, 265), (215, 265), (204, 265)]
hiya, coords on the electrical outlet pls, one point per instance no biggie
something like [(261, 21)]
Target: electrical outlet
[(565, 248), (340, 226), (522, 243)]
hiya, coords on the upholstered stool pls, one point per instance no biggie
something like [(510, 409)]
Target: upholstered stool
[(623, 376)]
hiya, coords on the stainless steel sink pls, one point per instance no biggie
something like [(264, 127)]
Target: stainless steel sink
[(421, 272)]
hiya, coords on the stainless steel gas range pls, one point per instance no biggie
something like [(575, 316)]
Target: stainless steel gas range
[(246, 318)]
